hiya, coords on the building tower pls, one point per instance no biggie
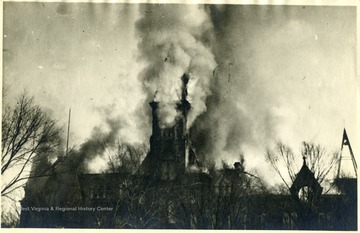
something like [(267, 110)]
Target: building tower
[(168, 154)]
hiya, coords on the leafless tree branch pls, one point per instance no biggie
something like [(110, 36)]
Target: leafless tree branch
[(319, 161), (27, 132)]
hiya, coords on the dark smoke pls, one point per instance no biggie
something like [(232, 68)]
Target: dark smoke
[(228, 109), (238, 111), (99, 141)]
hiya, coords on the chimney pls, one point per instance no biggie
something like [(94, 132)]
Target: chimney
[(237, 165)]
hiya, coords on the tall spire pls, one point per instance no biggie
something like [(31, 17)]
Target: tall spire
[(346, 142)]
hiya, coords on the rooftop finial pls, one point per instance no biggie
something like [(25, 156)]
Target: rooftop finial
[(304, 158)]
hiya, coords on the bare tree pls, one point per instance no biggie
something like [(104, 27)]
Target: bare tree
[(319, 160), (217, 199), (137, 205), (140, 204), (26, 132), (284, 161), (125, 157)]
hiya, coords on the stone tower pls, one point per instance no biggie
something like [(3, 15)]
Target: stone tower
[(168, 156)]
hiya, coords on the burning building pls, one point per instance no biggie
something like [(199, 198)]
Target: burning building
[(168, 156), (170, 151), (171, 190), (169, 160)]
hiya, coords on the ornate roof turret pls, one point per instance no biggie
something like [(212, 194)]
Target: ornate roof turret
[(305, 187)]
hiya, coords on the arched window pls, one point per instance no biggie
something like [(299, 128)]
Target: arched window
[(305, 194)]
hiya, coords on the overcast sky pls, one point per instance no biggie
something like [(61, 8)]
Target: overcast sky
[(289, 72)]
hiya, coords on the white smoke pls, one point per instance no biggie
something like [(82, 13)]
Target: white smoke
[(173, 42)]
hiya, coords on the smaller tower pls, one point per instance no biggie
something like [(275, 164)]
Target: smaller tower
[(183, 106), (305, 187), (155, 124)]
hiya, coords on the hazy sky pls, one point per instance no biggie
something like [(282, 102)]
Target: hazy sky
[(79, 56), (282, 72)]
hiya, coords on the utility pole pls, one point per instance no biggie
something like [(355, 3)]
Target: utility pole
[(68, 133)]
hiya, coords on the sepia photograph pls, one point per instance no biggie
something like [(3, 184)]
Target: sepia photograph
[(187, 115)]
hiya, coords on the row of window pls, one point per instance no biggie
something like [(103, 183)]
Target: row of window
[(100, 191), (105, 191), (174, 132)]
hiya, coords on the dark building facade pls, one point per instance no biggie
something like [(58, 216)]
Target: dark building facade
[(166, 193), (168, 156)]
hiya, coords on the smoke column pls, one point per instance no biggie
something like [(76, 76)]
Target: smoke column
[(225, 114), (175, 39), (101, 139), (275, 78), (239, 113)]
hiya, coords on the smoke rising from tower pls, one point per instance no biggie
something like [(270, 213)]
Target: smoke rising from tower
[(174, 39)]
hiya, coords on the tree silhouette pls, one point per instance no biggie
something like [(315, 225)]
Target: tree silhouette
[(285, 163), (28, 134)]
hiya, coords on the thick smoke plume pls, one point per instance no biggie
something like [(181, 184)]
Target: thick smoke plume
[(239, 113), (175, 39), (101, 139), (228, 113)]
